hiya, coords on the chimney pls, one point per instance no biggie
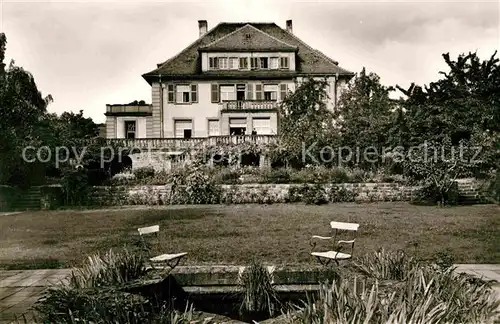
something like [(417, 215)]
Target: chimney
[(202, 26), (289, 26)]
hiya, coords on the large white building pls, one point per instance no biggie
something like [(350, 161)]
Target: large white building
[(229, 81)]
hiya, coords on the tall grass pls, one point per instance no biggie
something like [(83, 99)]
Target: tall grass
[(259, 295), (93, 294), (417, 294), (386, 265), (109, 269)]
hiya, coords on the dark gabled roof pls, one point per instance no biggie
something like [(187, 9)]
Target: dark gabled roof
[(187, 62), (248, 38)]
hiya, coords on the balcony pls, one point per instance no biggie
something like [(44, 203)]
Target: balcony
[(246, 105), (128, 110), (180, 144)]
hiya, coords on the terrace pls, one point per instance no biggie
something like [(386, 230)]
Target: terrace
[(188, 143)]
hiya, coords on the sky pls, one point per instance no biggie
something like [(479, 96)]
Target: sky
[(87, 54)]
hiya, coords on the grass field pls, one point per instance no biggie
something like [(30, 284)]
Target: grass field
[(277, 234)]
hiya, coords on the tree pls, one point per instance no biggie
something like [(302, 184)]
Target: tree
[(463, 103), (23, 106), (365, 113), (305, 121)]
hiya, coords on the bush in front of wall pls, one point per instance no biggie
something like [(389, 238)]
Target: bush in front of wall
[(277, 176), (337, 195), (75, 188), (144, 173), (315, 195), (296, 193)]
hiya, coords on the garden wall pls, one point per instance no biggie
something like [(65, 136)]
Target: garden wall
[(50, 197), (469, 189)]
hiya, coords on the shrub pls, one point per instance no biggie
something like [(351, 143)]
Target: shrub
[(297, 193), (144, 173), (337, 195), (431, 193), (191, 185), (269, 175), (227, 175), (315, 195), (75, 188)]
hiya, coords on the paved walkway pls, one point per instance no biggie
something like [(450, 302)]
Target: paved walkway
[(20, 289)]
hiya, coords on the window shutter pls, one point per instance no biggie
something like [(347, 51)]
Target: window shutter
[(258, 92), (171, 93), (215, 92), (249, 91), (194, 93), (283, 91)]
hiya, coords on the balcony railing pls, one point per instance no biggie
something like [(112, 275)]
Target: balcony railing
[(249, 105), (120, 109), (179, 144)]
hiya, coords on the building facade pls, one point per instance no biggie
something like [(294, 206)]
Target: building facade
[(229, 81)]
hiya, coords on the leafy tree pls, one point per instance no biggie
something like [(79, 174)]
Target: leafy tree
[(305, 121), (365, 113), (23, 106), (463, 103)]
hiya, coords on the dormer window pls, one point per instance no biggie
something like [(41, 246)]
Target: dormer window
[(264, 63), (254, 63), (213, 63), (243, 62), (240, 61), (274, 63), (223, 63), (284, 63), (233, 63)]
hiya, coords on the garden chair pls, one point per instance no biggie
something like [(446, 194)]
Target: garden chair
[(325, 257), (171, 260)]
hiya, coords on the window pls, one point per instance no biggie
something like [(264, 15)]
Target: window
[(258, 92), (214, 92), (213, 127), (284, 62), (264, 63), (233, 63), (270, 92), (183, 128), (237, 126), (223, 63), (130, 129), (254, 62), (274, 63), (183, 93), (213, 63), (227, 92), (194, 93), (283, 91), (243, 62), (171, 93), (262, 126)]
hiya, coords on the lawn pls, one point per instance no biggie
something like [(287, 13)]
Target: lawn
[(277, 234)]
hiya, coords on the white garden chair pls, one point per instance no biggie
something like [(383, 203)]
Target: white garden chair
[(325, 257), (171, 260)]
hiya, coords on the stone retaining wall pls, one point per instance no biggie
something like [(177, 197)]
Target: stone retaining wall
[(49, 197), (469, 189)]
